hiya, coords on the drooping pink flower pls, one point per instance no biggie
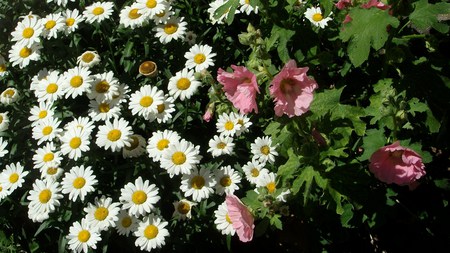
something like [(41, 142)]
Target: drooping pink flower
[(342, 4), (396, 164), (241, 218), (375, 3), (240, 88), (292, 90), (209, 112)]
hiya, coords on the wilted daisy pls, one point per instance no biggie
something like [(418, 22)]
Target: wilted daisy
[(74, 141), (27, 32), (114, 135), (83, 236), (151, 233), (247, 7), (172, 29), (98, 11), (4, 121), (136, 148), (46, 156), (9, 96), (103, 213), (159, 142), (3, 68), (76, 81), (227, 124), (52, 172), (83, 123), (139, 198), (130, 17), (190, 37), (47, 130), (126, 223), (183, 84), (88, 59), (180, 158), (183, 209), (226, 180), (199, 184), (165, 109), (268, 181), (3, 150), (104, 111), (44, 197), (52, 23), (222, 221), (199, 57), (254, 170), (22, 55), (144, 102), (104, 87), (50, 89), (243, 121), (263, 151), (12, 176), (72, 19), (149, 8), (314, 14), (78, 182), (220, 145), (41, 112)]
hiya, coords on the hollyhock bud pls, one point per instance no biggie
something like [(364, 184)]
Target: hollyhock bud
[(396, 164), (209, 112), (240, 217)]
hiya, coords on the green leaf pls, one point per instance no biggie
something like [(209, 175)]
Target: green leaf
[(251, 199), (337, 197), (425, 15), (367, 29), (288, 169), (272, 129), (443, 184), (282, 36), (373, 140), (432, 123), (261, 227), (230, 8), (305, 179), (347, 215), (275, 221)]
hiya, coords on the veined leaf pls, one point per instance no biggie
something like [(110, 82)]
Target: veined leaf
[(305, 180), (229, 9), (373, 140), (425, 15), (282, 36)]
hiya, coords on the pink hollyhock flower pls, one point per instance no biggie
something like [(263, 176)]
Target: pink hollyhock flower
[(240, 88), (342, 4), (293, 90), (375, 3), (241, 218), (396, 164), (347, 19)]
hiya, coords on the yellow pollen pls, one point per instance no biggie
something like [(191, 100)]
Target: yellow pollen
[(229, 125), (25, 52), (48, 157), (79, 182), (161, 14), (227, 218), (50, 24), (199, 58), (265, 150), (52, 170), (87, 57), (133, 144), (197, 182), (151, 4), (225, 181), (317, 17), (240, 122), (162, 144), (102, 86), (2, 68), (114, 135), (27, 32), (170, 28), (255, 172), (47, 130), (133, 14), (1, 119), (84, 235), (139, 197), (76, 81), (221, 145), (13, 178), (271, 187), (146, 101), (178, 158), (101, 213), (75, 142), (70, 21), (45, 195), (42, 114), (52, 88), (161, 108), (183, 207), (126, 222), (9, 93), (151, 231), (98, 11), (103, 107), (183, 83)]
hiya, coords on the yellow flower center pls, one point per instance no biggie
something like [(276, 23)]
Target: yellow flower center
[(151, 4), (98, 11), (47, 130), (126, 222), (2, 68), (162, 144), (183, 83), (87, 57), (161, 108), (170, 28), (146, 101), (151, 231), (254, 172), (227, 218), (75, 142), (221, 145), (84, 235), (50, 24), (103, 107), (133, 144), (102, 86), (76, 81), (229, 125), (317, 17), (225, 181), (199, 58), (183, 207), (147, 67), (133, 14), (9, 93), (79, 182), (70, 21), (161, 14), (101, 213), (27, 32), (1, 119), (52, 170), (197, 182), (52, 88), (114, 135), (271, 187), (139, 197), (25, 52), (13, 178), (48, 157), (265, 150), (42, 114), (45, 196), (178, 158)]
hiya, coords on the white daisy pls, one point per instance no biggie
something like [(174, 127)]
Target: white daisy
[(227, 124), (3, 68), (199, 184), (126, 223), (42, 74), (104, 111), (27, 32), (47, 130), (254, 170), (149, 8), (180, 158), (60, 2), (39, 113), (165, 109), (314, 15), (98, 11), (144, 102), (122, 95), (22, 55), (164, 15), (46, 156), (83, 123), (226, 180), (114, 135), (52, 23), (183, 84), (4, 192), (3, 150), (104, 87), (12, 176), (243, 121), (220, 145), (151, 233), (222, 221), (182, 209), (44, 197), (190, 37), (88, 59), (9, 96), (76, 81), (72, 19), (50, 88), (268, 181), (82, 237), (159, 142), (103, 213), (199, 57), (136, 148), (78, 182), (172, 29), (130, 17), (263, 150), (139, 198), (52, 173), (74, 141), (247, 7), (4, 121)]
